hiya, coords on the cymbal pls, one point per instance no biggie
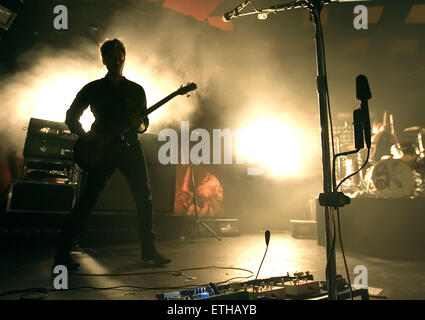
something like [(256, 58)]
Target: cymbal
[(414, 129)]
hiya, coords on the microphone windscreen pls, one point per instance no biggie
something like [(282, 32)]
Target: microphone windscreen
[(362, 88), (267, 236)]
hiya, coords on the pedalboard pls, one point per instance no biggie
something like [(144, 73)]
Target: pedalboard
[(283, 287)]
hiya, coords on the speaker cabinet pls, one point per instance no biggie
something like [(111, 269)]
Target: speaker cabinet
[(391, 228), (41, 197)]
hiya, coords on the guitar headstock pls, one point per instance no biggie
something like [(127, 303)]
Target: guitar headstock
[(191, 86)]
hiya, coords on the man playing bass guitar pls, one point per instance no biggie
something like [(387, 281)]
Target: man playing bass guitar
[(112, 100)]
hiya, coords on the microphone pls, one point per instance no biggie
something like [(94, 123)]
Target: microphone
[(229, 15), (358, 129), (362, 88), (267, 236), (363, 94)]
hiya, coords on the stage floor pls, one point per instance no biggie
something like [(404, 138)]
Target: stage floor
[(32, 268)]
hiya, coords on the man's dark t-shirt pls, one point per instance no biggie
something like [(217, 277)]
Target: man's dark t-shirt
[(111, 105)]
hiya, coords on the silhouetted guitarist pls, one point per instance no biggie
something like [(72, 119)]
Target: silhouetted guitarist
[(111, 101)]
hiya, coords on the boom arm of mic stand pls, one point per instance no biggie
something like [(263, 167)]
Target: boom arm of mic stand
[(282, 7), (276, 8)]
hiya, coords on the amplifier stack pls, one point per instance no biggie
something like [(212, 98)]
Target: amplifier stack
[(50, 178)]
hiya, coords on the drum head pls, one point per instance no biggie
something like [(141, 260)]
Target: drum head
[(393, 179)]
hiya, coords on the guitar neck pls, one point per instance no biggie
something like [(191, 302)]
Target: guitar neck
[(158, 104)]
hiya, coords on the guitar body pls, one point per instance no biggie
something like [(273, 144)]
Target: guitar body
[(89, 151)]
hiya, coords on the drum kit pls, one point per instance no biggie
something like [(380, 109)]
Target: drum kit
[(396, 169)]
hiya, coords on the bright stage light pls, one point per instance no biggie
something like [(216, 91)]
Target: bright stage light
[(51, 99), (262, 16), (50, 95), (273, 144)]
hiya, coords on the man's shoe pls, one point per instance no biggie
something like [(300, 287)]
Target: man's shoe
[(67, 261), (153, 257), (76, 246)]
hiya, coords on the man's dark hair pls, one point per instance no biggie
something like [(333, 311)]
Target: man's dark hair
[(109, 45)]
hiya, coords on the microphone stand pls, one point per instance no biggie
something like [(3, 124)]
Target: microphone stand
[(315, 7), (195, 203), (322, 87)]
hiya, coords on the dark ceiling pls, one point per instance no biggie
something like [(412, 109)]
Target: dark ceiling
[(87, 18), (391, 50)]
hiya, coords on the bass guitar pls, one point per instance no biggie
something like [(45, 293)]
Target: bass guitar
[(91, 148)]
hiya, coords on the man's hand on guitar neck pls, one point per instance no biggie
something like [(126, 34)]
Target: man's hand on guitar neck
[(139, 124), (142, 127)]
